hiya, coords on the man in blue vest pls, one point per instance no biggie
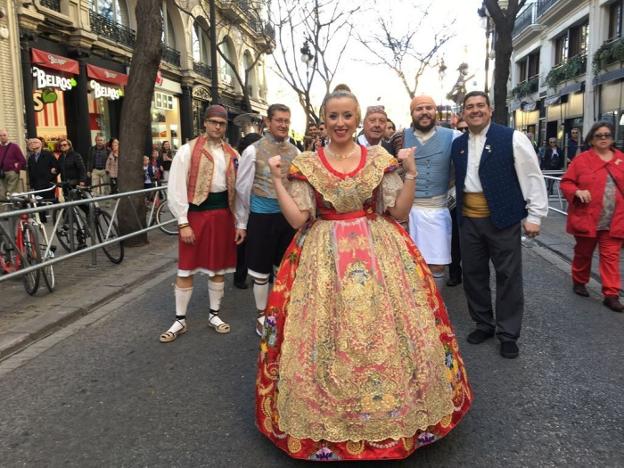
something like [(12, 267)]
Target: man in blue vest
[(499, 188), (430, 224)]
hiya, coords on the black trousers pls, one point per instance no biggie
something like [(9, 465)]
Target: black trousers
[(240, 275), (481, 242), (455, 269)]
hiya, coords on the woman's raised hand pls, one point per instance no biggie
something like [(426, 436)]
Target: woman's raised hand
[(275, 164), (406, 158)]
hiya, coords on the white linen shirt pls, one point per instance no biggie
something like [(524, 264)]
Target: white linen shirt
[(527, 168), (177, 194)]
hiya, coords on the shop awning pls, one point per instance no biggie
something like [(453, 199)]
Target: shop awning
[(612, 75), (552, 100), (106, 75), (55, 62)]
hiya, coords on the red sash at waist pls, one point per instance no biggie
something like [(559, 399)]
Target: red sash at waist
[(334, 216)]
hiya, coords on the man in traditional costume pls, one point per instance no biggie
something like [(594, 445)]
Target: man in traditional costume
[(201, 194), (258, 214), (499, 187), (430, 223), (374, 128)]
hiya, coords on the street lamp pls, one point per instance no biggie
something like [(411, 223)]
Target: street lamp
[(307, 57), (442, 74), (487, 24)]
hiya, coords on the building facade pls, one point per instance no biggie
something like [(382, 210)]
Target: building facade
[(76, 55), (566, 68)]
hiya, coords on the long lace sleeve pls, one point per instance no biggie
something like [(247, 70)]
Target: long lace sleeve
[(303, 195)]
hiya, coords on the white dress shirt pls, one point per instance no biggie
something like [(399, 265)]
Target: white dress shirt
[(527, 168), (177, 194), (244, 184)]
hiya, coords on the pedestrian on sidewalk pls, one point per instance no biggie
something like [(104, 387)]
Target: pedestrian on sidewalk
[(499, 188), (259, 218), (43, 168), (12, 161), (201, 194), (112, 165), (594, 188), (96, 166)]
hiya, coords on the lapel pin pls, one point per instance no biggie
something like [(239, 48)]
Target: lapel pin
[(488, 148)]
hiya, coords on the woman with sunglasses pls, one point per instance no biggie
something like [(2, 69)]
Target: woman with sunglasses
[(594, 188), (72, 165)]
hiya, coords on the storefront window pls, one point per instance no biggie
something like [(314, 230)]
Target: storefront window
[(99, 117), (166, 119)]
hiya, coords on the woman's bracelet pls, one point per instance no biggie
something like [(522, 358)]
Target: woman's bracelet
[(183, 225), (410, 176)]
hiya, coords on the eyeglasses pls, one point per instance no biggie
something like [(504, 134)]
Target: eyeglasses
[(602, 136), (64, 144), (217, 123)]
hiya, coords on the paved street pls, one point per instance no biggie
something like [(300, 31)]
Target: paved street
[(105, 392)]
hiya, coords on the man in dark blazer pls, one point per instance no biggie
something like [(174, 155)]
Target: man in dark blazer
[(43, 169), (499, 189)]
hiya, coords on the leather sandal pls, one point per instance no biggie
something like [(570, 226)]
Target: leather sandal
[(170, 336), (215, 322)]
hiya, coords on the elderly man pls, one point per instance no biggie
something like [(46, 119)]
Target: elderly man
[(374, 128), (201, 193), (499, 187), (430, 223), (258, 214), (12, 161), (43, 168)]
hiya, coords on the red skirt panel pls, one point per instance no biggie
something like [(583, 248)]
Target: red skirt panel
[(214, 250)]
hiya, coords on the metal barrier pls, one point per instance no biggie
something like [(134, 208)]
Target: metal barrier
[(92, 202), (555, 178)]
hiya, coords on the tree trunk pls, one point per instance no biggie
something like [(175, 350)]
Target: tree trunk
[(135, 116), (503, 47)]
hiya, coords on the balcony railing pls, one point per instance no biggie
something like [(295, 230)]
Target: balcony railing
[(51, 4), (103, 26), (544, 5), (170, 55), (524, 20), (568, 70), (202, 68), (526, 87)]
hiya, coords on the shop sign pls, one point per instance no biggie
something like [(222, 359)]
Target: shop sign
[(106, 75), (44, 79), (43, 97), (103, 91), (54, 62)]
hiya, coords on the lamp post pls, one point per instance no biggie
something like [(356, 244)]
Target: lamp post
[(307, 57), (487, 24), (442, 74)]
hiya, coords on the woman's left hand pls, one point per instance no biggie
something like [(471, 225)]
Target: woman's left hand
[(406, 158)]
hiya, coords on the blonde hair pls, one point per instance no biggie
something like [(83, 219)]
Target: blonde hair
[(342, 91)]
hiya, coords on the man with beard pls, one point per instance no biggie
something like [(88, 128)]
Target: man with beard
[(429, 221)]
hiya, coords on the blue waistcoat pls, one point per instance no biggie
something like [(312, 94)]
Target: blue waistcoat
[(433, 161), (497, 174)]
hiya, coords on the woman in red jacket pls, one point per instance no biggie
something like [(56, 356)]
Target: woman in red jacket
[(594, 187)]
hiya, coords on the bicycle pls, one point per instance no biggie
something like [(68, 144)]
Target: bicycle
[(162, 213), (28, 249), (73, 229)]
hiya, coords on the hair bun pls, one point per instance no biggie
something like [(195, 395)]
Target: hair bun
[(342, 87)]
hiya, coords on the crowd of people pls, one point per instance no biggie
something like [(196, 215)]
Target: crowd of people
[(349, 241)]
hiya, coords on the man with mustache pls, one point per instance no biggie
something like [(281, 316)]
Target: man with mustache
[(499, 187), (429, 220)]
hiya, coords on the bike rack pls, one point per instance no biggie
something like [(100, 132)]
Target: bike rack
[(92, 201)]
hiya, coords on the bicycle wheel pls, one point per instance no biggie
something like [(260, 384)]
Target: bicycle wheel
[(115, 251), (30, 256), (163, 215), (48, 270), (77, 228)]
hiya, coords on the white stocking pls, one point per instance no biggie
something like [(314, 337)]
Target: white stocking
[(182, 299), (261, 292), (215, 294)]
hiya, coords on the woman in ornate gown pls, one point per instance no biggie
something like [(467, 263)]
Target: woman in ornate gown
[(358, 359)]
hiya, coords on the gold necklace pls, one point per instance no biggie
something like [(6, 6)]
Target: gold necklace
[(342, 156)]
